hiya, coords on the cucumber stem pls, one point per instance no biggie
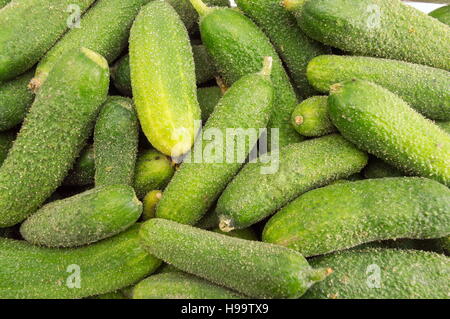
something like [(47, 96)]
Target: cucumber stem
[(267, 66), (201, 8), (299, 120), (292, 5), (319, 274), (225, 224)]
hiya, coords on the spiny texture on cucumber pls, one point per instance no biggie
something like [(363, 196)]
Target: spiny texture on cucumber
[(310, 117), (120, 75), (28, 28), (163, 79), (115, 142), (15, 100), (345, 215), (178, 285), (252, 196), (53, 134), (381, 123), (83, 172), (424, 88), (252, 268), (380, 28), (34, 272), (6, 141), (85, 218), (380, 169), (208, 98), (442, 14), (383, 274)]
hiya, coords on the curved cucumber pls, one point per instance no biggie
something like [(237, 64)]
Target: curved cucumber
[(422, 87), (442, 14), (208, 98), (383, 274), (310, 118), (345, 215), (28, 28), (163, 79), (6, 141), (83, 172), (300, 167), (380, 28), (252, 268), (379, 169), (381, 123), (178, 285), (103, 267), (243, 111), (115, 142), (54, 132)]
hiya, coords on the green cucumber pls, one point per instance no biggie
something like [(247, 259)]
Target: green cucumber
[(442, 14), (293, 46), (310, 117), (83, 172), (445, 126), (252, 195), (380, 169), (383, 274), (345, 215), (120, 75), (245, 107), (29, 28), (238, 47), (115, 142), (208, 98), (54, 132), (103, 267), (381, 123), (252, 268), (150, 202), (178, 285), (379, 28), (6, 142), (15, 100), (422, 87), (163, 79)]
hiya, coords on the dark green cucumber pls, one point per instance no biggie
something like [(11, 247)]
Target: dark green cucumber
[(381, 123), (15, 100), (120, 75), (422, 87), (116, 142), (252, 195), (380, 28), (150, 202), (34, 272), (83, 172), (252, 268), (442, 14), (293, 46), (380, 169), (310, 117), (208, 98), (28, 28), (6, 142), (345, 215), (383, 274), (245, 107), (54, 132), (238, 47), (178, 285), (445, 126)]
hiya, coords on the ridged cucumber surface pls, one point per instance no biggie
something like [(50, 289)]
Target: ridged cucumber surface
[(6, 141), (442, 14), (310, 118), (83, 172)]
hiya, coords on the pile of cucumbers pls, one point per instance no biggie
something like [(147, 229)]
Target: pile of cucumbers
[(113, 186)]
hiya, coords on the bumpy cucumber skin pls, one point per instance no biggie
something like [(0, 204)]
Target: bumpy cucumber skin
[(208, 98), (116, 138), (178, 285), (442, 14), (196, 186), (83, 172), (163, 79), (252, 268), (120, 75), (293, 46), (15, 100), (310, 118), (34, 272), (238, 47), (54, 132), (6, 141), (409, 274), (28, 28), (381, 123), (379, 28), (422, 87), (445, 126), (379, 169), (252, 196), (345, 215)]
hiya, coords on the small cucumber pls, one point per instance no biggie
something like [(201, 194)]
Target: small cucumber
[(34, 272), (380, 169), (381, 123), (424, 88), (383, 274), (252, 268), (54, 132), (15, 100), (345, 215), (83, 172), (29, 28), (208, 98), (238, 47), (310, 117), (379, 28), (178, 285), (245, 107), (115, 142), (150, 202), (252, 196), (6, 142), (163, 79), (442, 14)]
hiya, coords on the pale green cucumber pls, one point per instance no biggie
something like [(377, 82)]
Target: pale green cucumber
[(310, 117)]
